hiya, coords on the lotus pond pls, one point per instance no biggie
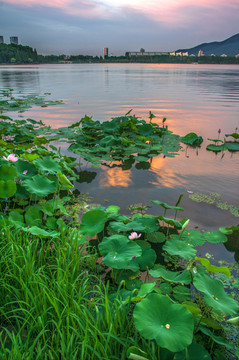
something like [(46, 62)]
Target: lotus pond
[(85, 281)]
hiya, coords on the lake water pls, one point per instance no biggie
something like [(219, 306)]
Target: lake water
[(198, 98)]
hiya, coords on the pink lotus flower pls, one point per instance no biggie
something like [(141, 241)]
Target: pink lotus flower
[(121, 120), (134, 236), (11, 157), (219, 131), (25, 172)]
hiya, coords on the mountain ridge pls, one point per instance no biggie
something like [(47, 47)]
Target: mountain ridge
[(229, 46)]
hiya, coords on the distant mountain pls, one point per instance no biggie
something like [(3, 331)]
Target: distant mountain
[(229, 47)]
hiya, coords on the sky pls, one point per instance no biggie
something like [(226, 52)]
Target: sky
[(86, 26)]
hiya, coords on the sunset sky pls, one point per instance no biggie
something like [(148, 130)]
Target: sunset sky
[(86, 26)]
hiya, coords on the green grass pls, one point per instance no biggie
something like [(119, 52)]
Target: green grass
[(53, 304)]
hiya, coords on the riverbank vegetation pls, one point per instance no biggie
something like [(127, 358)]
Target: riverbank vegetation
[(19, 54), (80, 281)]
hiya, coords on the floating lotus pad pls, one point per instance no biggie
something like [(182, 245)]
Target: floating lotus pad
[(180, 248), (214, 294), (171, 325), (215, 237), (193, 237), (171, 276), (119, 252)]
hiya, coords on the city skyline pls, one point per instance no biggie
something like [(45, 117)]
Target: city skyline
[(86, 26)]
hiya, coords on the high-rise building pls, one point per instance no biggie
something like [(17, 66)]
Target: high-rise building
[(1, 40), (14, 40), (105, 52)]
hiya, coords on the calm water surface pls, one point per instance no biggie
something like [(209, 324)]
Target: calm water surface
[(199, 98)]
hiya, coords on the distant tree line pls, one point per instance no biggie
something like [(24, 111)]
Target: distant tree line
[(19, 54)]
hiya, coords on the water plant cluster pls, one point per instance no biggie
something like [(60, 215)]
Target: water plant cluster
[(109, 286)]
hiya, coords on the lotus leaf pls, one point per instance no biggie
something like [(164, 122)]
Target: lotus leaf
[(33, 216), (64, 181), (165, 288), (214, 294), (120, 252), (150, 222), (171, 222), (234, 135), (37, 231), (166, 206), (180, 248), (193, 352), (156, 237), (51, 223), (25, 169), (93, 222), (193, 237), (47, 164), (215, 237), (171, 325), (7, 172), (112, 209), (147, 259), (146, 289), (232, 145), (17, 219), (192, 139), (212, 268), (132, 225), (181, 293), (143, 165), (133, 284), (40, 186), (218, 339), (216, 148), (171, 276), (30, 157), (7, 188)]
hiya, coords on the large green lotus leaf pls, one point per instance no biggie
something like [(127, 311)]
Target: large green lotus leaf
[(171, 325), (214, 294), (17, 219), (171, 222), (133, 284), (37, 231), (171, 276), (156, 237), (141, 158), (216, 148), (92, 222), (51, 222), (119, 252), (33, 216), (147, 259), (7, 188), (166, 206), (47, 164), (40, 186), (212, 268), (132, 225), (232, 146), (192, 139), (25, 169), (181, 293), (193, 352), (234, 135), (215, 237), (218, 339), (180, 248), (7, 172), (164, 288), (126, 275), (112, 209), (193, 237), (149, 222)]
